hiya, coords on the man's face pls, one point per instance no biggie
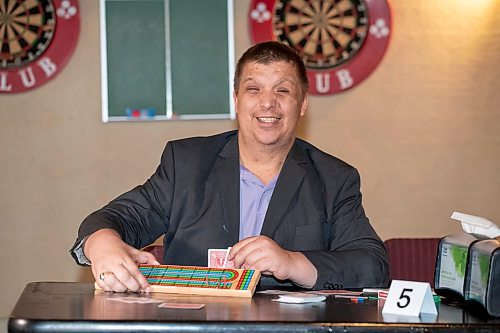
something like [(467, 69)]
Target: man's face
[(269, 103)]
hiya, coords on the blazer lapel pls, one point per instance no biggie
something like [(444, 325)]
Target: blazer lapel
[(290, 178), (227, 170)]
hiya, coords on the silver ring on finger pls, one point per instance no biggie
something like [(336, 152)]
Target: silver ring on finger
[(102, 276)]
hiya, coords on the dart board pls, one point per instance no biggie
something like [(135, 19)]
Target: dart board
[(340, 41), (37, 40)]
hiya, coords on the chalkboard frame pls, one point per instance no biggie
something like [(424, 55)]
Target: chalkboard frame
[(167, 110)]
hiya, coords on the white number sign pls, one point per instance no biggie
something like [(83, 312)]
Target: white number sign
[(409, 298)]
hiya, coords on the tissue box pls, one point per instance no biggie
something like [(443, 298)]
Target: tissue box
[(482, 285), (451, 266)]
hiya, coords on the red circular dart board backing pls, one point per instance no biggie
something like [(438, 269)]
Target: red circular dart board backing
[(340, 41), (38, 38)]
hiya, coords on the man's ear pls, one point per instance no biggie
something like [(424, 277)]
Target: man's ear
[(305, 102), (235, 100)]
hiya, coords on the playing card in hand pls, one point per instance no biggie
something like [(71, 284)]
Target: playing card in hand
[(217, 257)]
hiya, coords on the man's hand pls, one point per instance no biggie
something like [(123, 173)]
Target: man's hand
[(264, 254), (114, 263)]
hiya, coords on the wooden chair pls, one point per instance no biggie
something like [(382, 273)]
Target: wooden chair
[(412, 259)]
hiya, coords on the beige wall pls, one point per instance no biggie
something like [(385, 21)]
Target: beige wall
[(423, 129)]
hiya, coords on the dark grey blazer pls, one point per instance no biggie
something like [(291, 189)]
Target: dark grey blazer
[(193, 199)]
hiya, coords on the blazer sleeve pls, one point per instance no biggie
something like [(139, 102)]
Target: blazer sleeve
[(356, 257), (141, 215)]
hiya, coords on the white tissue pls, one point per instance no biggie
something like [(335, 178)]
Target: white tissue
[(477, 225), (299, 298)]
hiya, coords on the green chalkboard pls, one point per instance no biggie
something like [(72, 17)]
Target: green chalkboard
[(166, 59)]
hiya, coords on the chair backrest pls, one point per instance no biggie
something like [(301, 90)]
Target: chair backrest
[(412, 259), (156, 250)]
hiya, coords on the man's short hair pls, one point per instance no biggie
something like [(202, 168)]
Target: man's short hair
[(269, 52)]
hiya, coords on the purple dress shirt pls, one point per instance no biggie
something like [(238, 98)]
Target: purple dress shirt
[(254, 200)]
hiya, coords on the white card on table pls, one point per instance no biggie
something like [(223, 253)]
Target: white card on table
[(409, 298)]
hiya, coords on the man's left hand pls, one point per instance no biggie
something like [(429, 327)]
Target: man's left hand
[(263, 254)]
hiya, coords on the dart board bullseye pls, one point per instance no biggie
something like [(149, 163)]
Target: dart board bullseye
[(340, 41), (37, 40)]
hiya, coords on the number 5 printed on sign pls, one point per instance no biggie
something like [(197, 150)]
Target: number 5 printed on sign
[(409, 298)]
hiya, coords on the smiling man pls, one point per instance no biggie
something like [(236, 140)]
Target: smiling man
[(285, 207)]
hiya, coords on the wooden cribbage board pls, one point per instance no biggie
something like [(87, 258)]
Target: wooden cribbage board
[(198, 280)]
